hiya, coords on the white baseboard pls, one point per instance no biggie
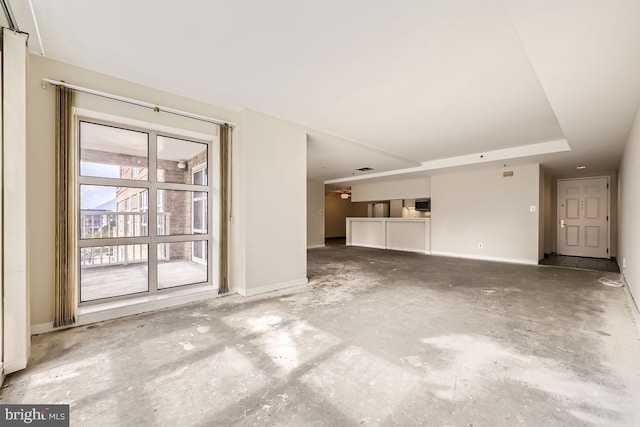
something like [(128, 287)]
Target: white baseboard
[(412, 250), (367, 246), (485, 258), (635, 308), (632, 300), (129, 307), (44, 328), (273, 287), (316, 246)]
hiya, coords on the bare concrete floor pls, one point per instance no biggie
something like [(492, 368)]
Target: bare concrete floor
[(377, 338)]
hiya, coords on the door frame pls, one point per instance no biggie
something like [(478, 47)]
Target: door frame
[(558, 208)]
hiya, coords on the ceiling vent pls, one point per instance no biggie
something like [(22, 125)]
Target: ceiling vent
[(364, 169)]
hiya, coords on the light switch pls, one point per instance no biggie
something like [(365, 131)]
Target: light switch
[(532, 208), (320, 212)]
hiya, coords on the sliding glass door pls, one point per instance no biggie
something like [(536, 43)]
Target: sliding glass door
[(144, 200)]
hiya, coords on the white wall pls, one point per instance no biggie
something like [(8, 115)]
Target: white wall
[(15, 296), (315, 214), (484, 207), (407, 188), (274, 168), (629, 208)]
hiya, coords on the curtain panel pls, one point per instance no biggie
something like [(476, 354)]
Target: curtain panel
[(64, 301), (225, 211)]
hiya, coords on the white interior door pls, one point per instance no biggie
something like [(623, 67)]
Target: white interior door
[(583, 217)]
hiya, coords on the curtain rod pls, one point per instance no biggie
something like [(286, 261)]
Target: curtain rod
[(8, 13), (155, 107)]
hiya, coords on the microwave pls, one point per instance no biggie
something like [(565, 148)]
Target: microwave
[(423, 205)]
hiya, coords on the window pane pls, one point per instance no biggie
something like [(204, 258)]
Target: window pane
[(183, 212), (181, 161), (182, 263), (111, 152), (109, 212), (110, 271)]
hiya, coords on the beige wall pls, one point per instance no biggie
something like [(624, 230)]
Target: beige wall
[(629, 192), (41, 153), (337, 210), (274, 157), (484, 207), (315, 214), (407, 188), (395, 208), (268, 245)]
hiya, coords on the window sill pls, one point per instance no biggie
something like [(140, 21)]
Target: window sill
[(143, 304)]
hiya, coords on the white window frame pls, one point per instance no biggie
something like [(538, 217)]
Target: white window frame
[(153, 239), (200, 168), (144, 207)]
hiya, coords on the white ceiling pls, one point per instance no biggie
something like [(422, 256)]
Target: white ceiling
[(333, 157), (3, 21), (414, 81)]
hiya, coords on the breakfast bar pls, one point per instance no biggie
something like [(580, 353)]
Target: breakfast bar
[(400, 234)]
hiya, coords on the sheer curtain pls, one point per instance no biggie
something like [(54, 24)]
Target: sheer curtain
[(64, 305)]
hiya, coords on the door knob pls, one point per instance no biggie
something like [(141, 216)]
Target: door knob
[(562, 223)]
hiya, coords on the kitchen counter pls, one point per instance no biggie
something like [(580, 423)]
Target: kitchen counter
[(400, 234)]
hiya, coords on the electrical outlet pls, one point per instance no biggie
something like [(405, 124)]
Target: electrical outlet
[(480, 245), (532, 208)]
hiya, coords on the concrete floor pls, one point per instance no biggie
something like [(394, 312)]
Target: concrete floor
[(377, 338)]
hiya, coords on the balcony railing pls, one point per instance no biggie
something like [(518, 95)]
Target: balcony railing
[(104, 225)]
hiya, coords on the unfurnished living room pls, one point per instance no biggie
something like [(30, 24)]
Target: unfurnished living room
[(326, 213)]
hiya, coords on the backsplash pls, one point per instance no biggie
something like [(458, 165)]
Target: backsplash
[(412, 213)]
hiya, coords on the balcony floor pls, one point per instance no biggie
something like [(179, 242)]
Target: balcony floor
[(116, 280)]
